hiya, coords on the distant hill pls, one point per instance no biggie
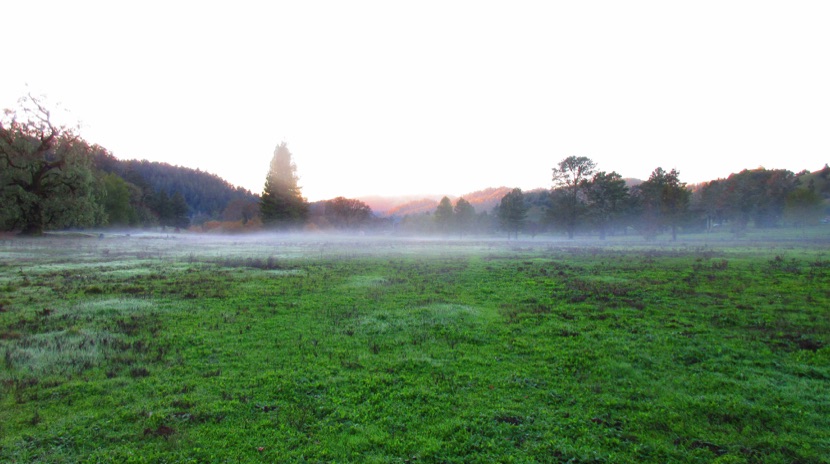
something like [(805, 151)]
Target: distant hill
[(487, 199), (421, 206), (482, 200), (382, 205)]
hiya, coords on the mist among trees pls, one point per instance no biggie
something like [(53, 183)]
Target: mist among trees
[(52, 179)]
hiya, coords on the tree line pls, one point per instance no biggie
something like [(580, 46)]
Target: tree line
[(585, 200), (582, 199), (51, 178)]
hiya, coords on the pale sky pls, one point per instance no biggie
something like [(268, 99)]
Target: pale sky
[(447, 97)]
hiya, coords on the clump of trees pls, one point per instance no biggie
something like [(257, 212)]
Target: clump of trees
[(761, 197), (570, 182), (454, 219), (582, 198), (585, 200), (605, 203), (345, 214)]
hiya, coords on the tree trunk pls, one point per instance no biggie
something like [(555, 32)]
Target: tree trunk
[(33, 226), (32, 230)]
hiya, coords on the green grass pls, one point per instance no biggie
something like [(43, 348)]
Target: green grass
[(414, 351)]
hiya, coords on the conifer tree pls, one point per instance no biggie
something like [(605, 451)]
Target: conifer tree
[(512, 212), (443, 215), (464, 214), (282, 204)]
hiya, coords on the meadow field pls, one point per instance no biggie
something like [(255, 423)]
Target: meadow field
[(182, 348)]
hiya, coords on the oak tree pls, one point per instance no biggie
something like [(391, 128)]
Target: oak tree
[(45, 177), (570, 177), (347, 213)]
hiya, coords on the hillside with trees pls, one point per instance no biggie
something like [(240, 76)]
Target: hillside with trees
[(51, 178), (422, 206), (155, 188)]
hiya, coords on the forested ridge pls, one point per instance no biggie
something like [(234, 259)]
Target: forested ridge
[(207, 195)]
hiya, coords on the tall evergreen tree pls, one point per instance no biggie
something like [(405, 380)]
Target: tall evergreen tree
[(282, 204)]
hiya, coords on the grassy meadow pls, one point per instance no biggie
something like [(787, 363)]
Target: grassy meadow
[(187, 349)]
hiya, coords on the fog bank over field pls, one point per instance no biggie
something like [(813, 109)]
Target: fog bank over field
[(267, 249)]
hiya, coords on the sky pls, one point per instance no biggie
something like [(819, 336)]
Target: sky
[(433, 97)]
